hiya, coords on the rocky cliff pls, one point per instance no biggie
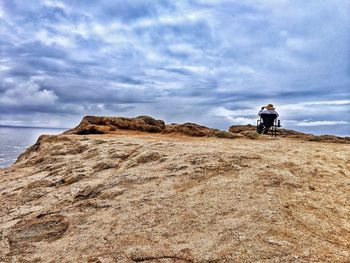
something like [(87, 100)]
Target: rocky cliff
[(148, 195), (116, 125)]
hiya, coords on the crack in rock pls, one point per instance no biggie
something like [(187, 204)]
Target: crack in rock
[(151, 258)]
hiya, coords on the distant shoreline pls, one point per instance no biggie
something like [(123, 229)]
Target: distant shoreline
[(32, 127)]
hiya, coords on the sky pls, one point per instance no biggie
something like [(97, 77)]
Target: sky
[(212, 62)]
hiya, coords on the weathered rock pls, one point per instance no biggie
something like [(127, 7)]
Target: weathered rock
[(241, 128), (72, 178), (85, 191), (227, 135), (190, 129), (35, 190), (105, 125), (104, 165), (249, 131), (87, 128), (329, 138), (102, 125), (146, 157), (27, 231), (149, 120)]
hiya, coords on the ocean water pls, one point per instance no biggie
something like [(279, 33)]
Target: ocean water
[(15, 140)]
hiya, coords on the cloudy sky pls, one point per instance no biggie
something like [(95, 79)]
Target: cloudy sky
[(213, 62)]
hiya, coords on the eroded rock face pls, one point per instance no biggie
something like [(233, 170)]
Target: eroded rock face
[(151, 198), (241, 128), (102, 125), (41, 228), (190, 129)]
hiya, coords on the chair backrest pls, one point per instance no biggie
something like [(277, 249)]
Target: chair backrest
[(268, 119)]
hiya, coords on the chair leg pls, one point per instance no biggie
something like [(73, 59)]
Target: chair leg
[(273, 131)]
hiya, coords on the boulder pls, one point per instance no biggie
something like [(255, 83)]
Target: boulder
[(190, 129), (149, 120), (241, 128), (102, 125)]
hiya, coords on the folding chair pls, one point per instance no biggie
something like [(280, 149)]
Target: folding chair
[(268, 123)]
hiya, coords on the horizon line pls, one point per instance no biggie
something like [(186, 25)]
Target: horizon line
[(38, 127)]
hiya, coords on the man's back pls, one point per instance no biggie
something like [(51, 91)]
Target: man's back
[(267, 111)]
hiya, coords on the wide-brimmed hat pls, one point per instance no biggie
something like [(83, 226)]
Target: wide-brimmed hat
[(270, 107)]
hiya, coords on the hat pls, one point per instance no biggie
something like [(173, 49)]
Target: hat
[(270, 107)]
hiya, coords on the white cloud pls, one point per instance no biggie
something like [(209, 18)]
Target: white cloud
[(2, 10), (56, 4), (183, 48), (331, 102), (296, 44), (235, 117), (49, 39), (28, 94), (320, 123), (196, 69), (184, 16), (314, 105), (4, 68), (243, 69)]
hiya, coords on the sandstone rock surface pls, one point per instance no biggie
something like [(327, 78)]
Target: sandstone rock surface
[(154, 197), (102, 125)]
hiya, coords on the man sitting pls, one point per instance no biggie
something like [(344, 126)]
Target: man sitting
[(268, 115)]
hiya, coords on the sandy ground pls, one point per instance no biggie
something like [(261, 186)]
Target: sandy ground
[(157, 198)]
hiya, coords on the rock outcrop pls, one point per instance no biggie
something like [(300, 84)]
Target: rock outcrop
[(195, 130), (112, 125), (329, 138), (145, 197), (104, 125), (250, 132)]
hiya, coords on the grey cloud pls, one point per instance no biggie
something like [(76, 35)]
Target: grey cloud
[(176, 60)]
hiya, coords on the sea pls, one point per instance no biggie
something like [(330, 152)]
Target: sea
[(15, 140)]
